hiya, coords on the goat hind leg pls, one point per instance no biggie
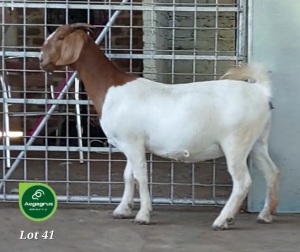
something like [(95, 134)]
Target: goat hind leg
[(261, 159), (241, 183), (123, 210), (236, 153)]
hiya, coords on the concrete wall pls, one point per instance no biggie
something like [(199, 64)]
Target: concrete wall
[(156, 41), (276, 36), (185, 44)]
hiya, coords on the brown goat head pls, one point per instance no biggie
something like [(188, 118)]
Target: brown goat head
[(63, 46)]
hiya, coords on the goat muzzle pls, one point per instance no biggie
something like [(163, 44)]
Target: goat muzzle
[(47, 67)]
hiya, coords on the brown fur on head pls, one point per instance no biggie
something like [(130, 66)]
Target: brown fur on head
[(63, 46)]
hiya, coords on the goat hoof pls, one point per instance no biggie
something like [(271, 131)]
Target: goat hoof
[(221, 223), (264, 218), (217, 227), (263, 221), (142, 219), (122, 214), (230, 221), (142, 222), (220, 228)]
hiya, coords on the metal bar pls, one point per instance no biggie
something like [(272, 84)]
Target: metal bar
[(172, 81), (109, 166), (42, 101), (172, 57), (162, 27), (216, 39), (6, 123), (195, 43), (119, 182), (116, 200), (130, 38), (25, 94), (250, 30), (176, 57), (116, 7), (138, 56), (58, 148), (78, 120), (3, 30), (241, 36), (51, 109), (122, 26)]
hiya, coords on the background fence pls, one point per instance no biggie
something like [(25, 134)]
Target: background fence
[(49, 129)]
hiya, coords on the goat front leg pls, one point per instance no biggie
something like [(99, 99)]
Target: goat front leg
[(139, 167), (124, 208)]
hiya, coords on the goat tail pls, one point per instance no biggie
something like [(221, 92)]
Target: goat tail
[(253, 73)]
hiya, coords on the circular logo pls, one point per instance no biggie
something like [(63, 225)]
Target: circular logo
[(37, 201)]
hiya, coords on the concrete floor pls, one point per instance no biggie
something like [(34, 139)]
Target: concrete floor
[(91, 228)]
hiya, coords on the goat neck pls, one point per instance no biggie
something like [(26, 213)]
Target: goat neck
[(98, 74)]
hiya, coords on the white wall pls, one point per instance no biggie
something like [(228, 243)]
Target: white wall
[(276, 43)]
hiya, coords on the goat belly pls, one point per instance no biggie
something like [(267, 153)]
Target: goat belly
[(189, 155)]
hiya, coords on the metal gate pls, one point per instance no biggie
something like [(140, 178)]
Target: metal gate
[(49, 130)]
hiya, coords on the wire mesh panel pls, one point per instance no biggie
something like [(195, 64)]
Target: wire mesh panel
[(49, 129)]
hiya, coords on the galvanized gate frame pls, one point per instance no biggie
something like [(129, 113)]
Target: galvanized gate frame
[(241, 10)]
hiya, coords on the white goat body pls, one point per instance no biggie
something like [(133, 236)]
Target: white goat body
[(187, 122)]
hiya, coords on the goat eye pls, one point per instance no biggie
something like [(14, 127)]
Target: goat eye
[(60, 38)]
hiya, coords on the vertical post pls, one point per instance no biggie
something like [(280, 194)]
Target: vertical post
[(78, 121), (241, 29), (249, 30), (5, 132)]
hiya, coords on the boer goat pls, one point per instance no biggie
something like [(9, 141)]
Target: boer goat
[(186, 122)]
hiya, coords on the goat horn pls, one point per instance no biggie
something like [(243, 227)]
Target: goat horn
[(83, 26)]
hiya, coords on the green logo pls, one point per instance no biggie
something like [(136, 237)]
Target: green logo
[(37, 201)]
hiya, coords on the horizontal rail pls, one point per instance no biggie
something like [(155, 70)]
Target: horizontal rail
[(115, 7), (116, 200), (44, 102), (118, 182), (134, 56), (199, 28), (59, 148)]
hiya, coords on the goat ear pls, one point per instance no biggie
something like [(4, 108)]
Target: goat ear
[(71, 49)]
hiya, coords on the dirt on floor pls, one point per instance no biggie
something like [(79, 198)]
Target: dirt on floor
[(91, 228)]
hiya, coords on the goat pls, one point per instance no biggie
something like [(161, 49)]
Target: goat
[(186, 122)]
